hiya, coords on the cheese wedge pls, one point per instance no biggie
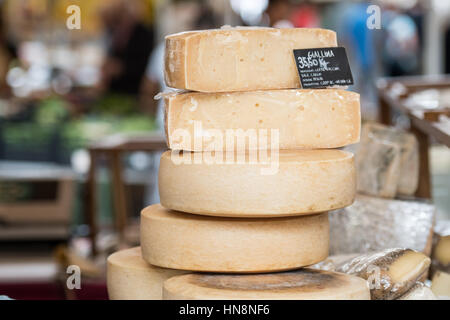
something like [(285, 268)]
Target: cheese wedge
[(239, 59), (303, 284), (390, 273), (440, 285), (304, 119), (183, 241), (387, 161), (441, 254), (289, 183), (440, 257), (129, 277)]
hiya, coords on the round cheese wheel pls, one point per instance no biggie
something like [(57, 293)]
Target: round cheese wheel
[(178, 240), (129, 277), (297, 182), (302, 284)]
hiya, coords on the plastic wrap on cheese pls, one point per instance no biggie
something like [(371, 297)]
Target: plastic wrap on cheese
[(378, 165), (374, 224), (332, 262), (387, 161), (390, 273)]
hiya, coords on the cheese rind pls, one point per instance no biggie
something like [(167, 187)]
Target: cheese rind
[(177, 240), (239, 59), (304, 182), (306, 119), (129, 277), (303, 284)]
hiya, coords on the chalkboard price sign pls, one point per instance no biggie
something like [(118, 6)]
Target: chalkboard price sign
[(323, 67)]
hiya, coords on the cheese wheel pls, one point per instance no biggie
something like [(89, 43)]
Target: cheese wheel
[(303, 284), (305, 119), (297, 182), (178, 240), (129, 277), (239, 59)]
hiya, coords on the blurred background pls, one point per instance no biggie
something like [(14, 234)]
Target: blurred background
[(81, 134)]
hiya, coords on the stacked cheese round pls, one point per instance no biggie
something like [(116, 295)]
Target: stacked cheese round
[(303, 284), (239, 59), (303, 119), (183, 241), (245, 206), (129, 277), (291, 182)]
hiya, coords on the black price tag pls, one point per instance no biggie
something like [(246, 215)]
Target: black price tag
[(323, 67)]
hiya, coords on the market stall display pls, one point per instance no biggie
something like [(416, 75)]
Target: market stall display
[(224, 196), (272, 161)]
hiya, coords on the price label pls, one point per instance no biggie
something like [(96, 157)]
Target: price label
[(323, 67)]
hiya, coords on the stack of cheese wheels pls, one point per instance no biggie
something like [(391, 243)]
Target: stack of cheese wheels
[(249, 177)]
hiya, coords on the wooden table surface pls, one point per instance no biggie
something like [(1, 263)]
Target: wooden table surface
[(113, 148), (392, 94)]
